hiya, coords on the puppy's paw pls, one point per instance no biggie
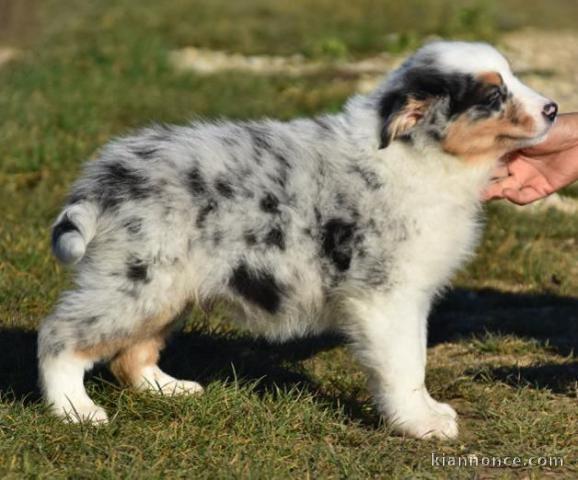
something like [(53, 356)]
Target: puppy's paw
[(432, 425), (442, 408), (155, 380), (425, 419), (83, 413), (179, 387)]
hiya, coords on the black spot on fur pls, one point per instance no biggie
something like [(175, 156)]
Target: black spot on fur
[(130, 292), (282, 159), (224, 188), (340, 199), (259, 137), (405, 138), (370, 178), (260, 140), (257, 286), (230, 141), (54, 348), (269, 203), (317, 215), (337, 242), (62, 227), (279, 179), (133, 224), (137, 270), (145, 153), (323, 124), (250, 239), (89, 321), (375, 272), (76, 197), (118, 182), (204, 212), (196, 183), (435, 134), (275, 238)]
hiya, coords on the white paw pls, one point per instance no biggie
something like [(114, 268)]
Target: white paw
[(87, 413), (432, 425), (442, 408), (178, 387), (425, 419), (155, 380)]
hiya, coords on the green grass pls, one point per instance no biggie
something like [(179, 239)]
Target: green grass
[(502, 344)]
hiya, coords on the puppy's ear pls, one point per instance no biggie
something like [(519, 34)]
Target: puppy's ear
[(399, 114)]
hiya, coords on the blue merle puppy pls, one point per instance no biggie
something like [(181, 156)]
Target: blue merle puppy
[(351, 222)]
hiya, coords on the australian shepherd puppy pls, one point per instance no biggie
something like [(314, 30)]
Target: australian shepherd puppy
[(351, 222)]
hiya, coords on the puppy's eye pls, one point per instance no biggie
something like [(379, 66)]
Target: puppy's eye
[(493, 98)]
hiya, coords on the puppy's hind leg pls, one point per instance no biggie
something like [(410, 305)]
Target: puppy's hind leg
[(137, 366), (61, 371)]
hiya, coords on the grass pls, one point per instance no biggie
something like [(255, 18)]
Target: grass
[(502, 344)]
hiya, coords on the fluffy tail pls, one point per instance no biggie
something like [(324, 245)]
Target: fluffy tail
[(73, 231)]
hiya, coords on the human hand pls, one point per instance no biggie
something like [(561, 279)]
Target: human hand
[(534, 173)]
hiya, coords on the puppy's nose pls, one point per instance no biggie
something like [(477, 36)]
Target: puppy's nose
[(550, 111)]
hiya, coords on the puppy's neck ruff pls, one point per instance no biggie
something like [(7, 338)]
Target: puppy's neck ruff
[(416, 161)]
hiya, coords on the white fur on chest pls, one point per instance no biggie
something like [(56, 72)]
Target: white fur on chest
[(438, 196)]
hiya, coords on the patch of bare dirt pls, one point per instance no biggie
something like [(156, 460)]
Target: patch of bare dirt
[(204, 61), (547, 61), (7, 54)]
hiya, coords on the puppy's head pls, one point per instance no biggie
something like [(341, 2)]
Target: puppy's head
[(464, 98)]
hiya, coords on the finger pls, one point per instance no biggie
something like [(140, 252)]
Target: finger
[(507, 183), (500, 171), (522, 196), (493, 192)]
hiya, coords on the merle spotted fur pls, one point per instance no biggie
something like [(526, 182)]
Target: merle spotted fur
[(303, 226)]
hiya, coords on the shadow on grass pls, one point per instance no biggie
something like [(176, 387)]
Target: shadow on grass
[(547, 318), (18, 374), (562, 379), (551, 320), (208, 357)]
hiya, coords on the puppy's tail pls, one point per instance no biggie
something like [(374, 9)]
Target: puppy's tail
[(73, 230)]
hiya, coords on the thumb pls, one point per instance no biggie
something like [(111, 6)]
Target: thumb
[(523, 196)]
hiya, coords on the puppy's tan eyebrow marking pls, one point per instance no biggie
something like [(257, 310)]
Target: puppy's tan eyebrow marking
[(491, 78)]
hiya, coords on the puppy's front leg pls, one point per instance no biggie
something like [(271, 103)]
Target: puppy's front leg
[(389, 333)]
